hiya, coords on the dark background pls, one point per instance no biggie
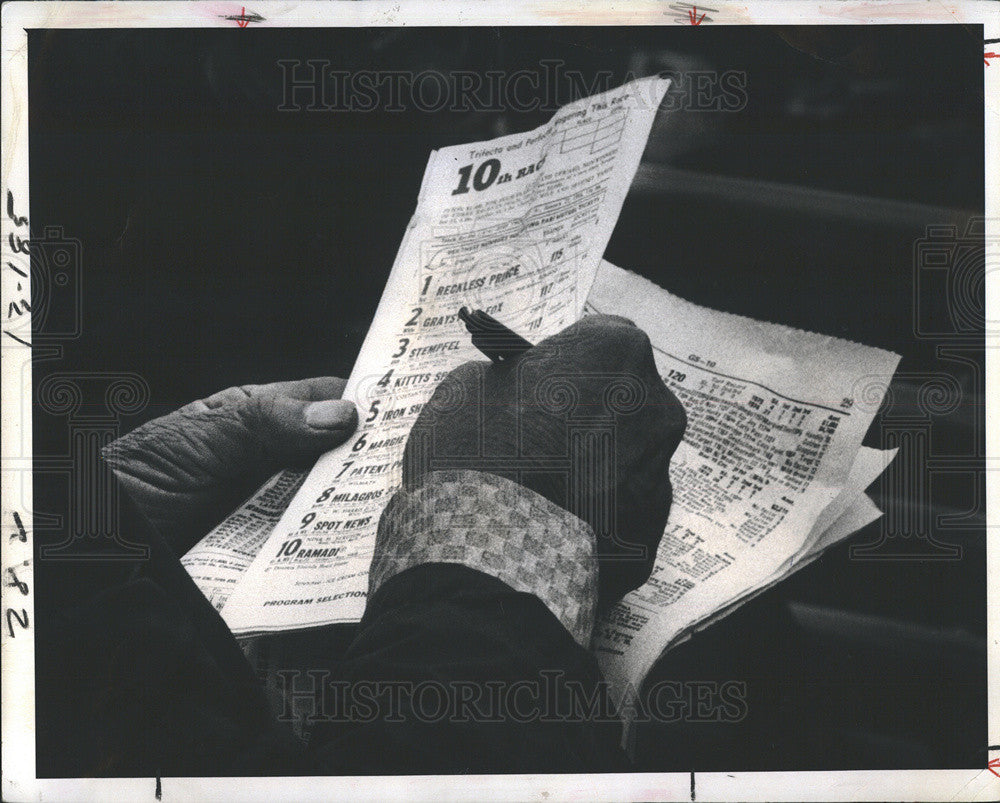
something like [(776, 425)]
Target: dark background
[(224, 242)]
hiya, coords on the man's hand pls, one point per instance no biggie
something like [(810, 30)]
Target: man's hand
[(584, 419), (186, 470)]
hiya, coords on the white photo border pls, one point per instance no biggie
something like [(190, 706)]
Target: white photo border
[(18, 727)]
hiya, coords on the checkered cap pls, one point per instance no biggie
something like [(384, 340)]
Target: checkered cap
[(498, 527)]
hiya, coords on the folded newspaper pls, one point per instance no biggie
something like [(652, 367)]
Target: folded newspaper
[(771, 471)]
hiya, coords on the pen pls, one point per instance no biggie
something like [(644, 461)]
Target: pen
[(491, 337)]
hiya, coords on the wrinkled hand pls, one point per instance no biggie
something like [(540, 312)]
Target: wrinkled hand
[(584, 419), (188, 469)]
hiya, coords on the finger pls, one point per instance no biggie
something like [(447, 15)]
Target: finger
[(293, 430), (602, 320), (228, 397), (314, 389), (317, 388), (597, 342)]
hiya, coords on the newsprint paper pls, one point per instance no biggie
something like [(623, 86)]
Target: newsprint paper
[(169, 142), (515, 227), (771, 470)]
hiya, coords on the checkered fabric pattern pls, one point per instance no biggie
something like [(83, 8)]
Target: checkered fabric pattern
[(500, 528)]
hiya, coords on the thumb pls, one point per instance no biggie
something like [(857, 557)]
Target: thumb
[(293, 430)]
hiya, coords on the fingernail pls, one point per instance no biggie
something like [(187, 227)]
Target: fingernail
[(331, 414)]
